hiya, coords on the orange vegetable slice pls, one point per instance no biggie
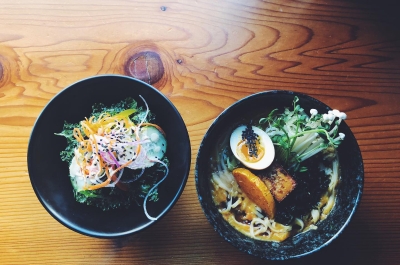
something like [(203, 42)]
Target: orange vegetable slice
[(256, 190)]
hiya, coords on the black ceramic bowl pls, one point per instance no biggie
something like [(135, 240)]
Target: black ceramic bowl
[(50, 176), (349, 191)]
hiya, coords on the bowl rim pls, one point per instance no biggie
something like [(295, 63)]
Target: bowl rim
[(196, 173), (109, 235)]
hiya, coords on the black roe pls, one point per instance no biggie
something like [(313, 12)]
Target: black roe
[(251, 139)]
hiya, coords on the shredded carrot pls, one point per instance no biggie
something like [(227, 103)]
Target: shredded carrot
[(119, 184), (77, 134), (101, 185), (106, 182), (102, 126)]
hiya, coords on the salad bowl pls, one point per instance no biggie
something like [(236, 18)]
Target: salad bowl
[(50, 176)]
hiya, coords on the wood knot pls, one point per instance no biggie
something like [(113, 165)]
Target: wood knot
[(146, 66)]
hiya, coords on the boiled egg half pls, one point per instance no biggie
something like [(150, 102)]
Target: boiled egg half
[(252, 147)]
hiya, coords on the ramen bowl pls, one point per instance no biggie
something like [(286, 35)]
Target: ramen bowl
[(49, 175), (349, 190)]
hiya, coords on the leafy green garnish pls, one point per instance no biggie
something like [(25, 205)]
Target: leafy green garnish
[(67, 132), (297, 136)]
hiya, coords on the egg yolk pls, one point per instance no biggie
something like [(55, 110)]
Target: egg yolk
[(243, 151)]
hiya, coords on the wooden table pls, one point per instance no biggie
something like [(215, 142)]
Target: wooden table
[(203, 55)]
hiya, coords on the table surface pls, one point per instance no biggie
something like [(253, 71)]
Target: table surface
[(213, 53)]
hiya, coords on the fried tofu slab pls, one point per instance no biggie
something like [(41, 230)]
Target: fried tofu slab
[(278, 181)]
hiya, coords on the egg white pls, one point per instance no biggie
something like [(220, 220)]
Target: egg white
[(265, 141)]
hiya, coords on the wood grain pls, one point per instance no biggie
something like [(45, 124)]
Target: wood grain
[(345, 53)]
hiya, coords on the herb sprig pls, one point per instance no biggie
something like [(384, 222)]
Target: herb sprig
[(298, 136)]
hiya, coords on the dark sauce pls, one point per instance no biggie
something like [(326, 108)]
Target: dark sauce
[(240, 216), (310, 186)]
